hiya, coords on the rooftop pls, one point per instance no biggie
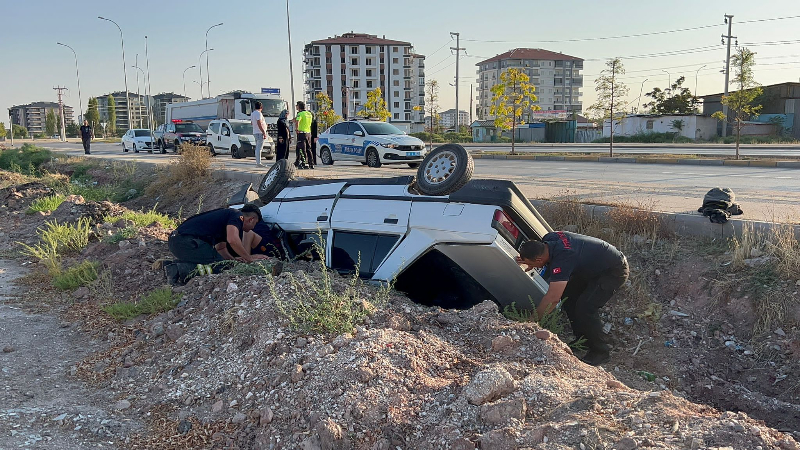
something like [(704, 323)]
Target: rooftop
[(359, 38), (793, 84), (530, 53)]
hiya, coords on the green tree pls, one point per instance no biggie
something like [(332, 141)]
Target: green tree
[(375, 106), (610, 92), (112, 116), (50, 120), (2, 130), (676, 99), (326, 116), (431, 107), (73, 129), (742, 102), (19, 131), (512, 97), (92, 113)]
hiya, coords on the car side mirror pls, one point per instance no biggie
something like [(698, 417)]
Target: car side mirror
[(359, 133)]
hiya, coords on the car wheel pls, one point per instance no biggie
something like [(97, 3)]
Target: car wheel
[(211, 150), (235, 152), (413, 165), (135, 150), (373, 160), (446, 169), (325, 156), (275, 180), (161, 147), (177, 144)]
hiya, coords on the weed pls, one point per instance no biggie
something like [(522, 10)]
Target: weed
[(121, 235), (122, 311), (76, 276), (143, 219), (157, 301), (552, 320), (102, 289), (26, 159), (49, 203), (185, 174), (56, 240)]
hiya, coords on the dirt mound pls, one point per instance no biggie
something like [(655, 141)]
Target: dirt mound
[(20, 196)]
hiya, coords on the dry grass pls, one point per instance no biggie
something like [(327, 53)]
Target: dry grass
[(189, 171)]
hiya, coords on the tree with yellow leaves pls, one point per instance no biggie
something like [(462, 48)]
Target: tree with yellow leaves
[(511, 98), (375, 107)]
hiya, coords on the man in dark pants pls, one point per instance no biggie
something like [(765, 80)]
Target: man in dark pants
[(302, 123), (585, 272), (87, 134), (203, 239), (314, 137)]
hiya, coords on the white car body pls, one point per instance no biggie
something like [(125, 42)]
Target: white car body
[(138, 139), (352, 141), (227, 134), (459, 247)]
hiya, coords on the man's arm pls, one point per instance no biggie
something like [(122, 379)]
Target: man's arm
[(236, 243), (222, 249), (262, 126), (551, 298)]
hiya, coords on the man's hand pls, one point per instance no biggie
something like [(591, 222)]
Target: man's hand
[(522, 264)]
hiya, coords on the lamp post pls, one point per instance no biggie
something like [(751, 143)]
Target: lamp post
[(124, 70), (149, 89), (78, 76), (200, 65), (669, 81), (208, 76), (184, 78), (291, 71), (641, 89), (695, 78), (139, 111)]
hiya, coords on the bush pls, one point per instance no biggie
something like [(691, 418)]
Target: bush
[(26, 159), (157, 301), (123, 234), (142, 219), (76, 276), (648, 138), (755, 140), (56, 240), (50, 203)]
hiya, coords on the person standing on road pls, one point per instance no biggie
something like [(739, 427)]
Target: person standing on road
[(302, 123), (284, 137), (583, 271), (87, 134), (314, 134), (259, 131)]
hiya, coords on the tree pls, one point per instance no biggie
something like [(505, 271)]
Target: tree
[(2, 130), (73, 129), (511, 97), (326, 116), (743, 101), (431, 107), (375, 106), (50, 120), (676, 99), (19, 131), (112, 116), (610, 92), (92, 114)]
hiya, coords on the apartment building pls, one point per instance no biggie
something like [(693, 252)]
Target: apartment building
[(160, 102), (138, 110), (447, 119), (556, 76), (349, 66), (33, 115)]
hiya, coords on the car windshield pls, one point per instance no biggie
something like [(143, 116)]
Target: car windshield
[(188, 128), (271, 107), (378, 128), (141, 133), (242, 128)]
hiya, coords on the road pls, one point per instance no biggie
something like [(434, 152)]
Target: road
[(764, 193), (772, 150)]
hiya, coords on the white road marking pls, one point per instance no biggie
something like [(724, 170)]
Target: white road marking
[(667, 172), (783, 178)]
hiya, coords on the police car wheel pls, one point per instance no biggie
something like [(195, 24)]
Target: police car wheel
[(325, 156), (373, 160), (275, 180), (444, 170)]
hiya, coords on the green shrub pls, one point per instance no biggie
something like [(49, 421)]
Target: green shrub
[(121, 235), (122, 311), (56, 240), (157, 301), (76, 276), (26, 159), (49, 203), (648, 138), (144, 218)]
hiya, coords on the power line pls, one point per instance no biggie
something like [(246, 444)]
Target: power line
[(445, 67), (437, 50)]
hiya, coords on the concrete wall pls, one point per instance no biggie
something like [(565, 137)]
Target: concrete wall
[(694, 127)]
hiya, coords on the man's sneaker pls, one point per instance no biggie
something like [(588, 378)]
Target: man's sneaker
[(172, 274), (596, 357), (277, 268)]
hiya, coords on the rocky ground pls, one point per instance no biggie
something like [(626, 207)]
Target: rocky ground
[(226, 368)]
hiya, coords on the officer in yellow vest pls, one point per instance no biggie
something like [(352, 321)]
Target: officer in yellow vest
[(302, 123)]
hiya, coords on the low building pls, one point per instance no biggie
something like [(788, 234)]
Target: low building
[(33, 116), (692, 126), (781, 104), (447, 119)]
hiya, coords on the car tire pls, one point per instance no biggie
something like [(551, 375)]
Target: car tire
[(373, 159), (211, 150), (445, 170), (161, 147), (277, 177), (177, 147), (325, 156), (135, 150), (235, 152), (124, 150), (413, 165)]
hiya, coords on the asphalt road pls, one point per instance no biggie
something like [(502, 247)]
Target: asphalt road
[(771, 150), (764, 193)]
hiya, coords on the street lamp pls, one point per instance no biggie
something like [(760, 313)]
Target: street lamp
[(200, 65), (695, 79), (124, 69), (78, 76), (208, 76), (291, 71), (184, 78), (669, 81), (641, 89), (138, 110), (149, 90)]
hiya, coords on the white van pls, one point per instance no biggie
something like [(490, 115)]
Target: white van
[(236, 137)]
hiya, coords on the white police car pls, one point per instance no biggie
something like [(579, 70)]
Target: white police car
[(371, 143)]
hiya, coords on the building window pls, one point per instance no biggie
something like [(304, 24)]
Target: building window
[(369, 84), (353, 50), (649, 125), (355, 83), (396, 104), (395, 71), (356, 95), (395, 49), (354, 72), (397, 115), (343, 60), (369, 50), (344, 71), (408, 116), (396, 94), (370, 61), (381, 59), (395, 60), (381, 71), (408, 105), (396, 82), (327, 48), (354, 61), (369, 72)]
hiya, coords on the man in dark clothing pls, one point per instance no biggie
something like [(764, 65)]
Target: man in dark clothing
[(284, 137), (585, 272), (314, 136), (203, 239), (87, 134)]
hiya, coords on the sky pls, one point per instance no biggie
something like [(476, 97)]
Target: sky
[(251, 49)]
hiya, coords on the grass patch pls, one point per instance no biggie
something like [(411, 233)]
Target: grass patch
[(121, 235), (26, 159), (56, 240), (143, 219), (648, 138), (157, 301), (187, 173), (76, 276), (552, 321), (49, 203)]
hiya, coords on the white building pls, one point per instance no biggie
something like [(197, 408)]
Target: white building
[(692, 126), (447, 119), (349, 66), (556, 76)]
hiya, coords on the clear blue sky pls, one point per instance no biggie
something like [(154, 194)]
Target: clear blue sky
[(251, 47)]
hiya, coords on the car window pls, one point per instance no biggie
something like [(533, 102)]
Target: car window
[(379, 128), (339, 128), (140, 133), (188, 128), (170, 128), (214, 127), (242, 128), (352, 127), (360, 250)]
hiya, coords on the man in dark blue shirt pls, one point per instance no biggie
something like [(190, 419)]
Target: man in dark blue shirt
[(585, 272), (86, 136)]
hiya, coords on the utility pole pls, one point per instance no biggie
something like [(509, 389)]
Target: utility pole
[(124, 71), (148, 91), (729, 21), (613, 87), (470, 103), (457, 50), (61, 112), (11, 127), (138, 95), (291, 70)]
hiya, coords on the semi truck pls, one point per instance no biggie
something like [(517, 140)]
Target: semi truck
[(233, 105)]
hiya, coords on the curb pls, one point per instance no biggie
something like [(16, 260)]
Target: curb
[(691, 225), (648, 160)]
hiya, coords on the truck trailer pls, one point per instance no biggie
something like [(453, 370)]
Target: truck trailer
[(233, 105)]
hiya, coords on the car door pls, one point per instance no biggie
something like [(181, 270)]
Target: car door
[(336, 137), (169, 135), (225, 136), (126, 139), (355, 142)]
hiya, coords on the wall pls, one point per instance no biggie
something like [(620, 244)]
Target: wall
[(695, 127)]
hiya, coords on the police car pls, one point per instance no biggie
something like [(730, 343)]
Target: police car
[(371, 143)]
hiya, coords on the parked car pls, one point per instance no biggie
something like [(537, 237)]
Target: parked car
[(443, 240), (236, 137), (180, 132), (137, 139), (370, 142)]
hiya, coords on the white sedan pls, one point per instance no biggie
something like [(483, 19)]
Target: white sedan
[(137, 139)]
